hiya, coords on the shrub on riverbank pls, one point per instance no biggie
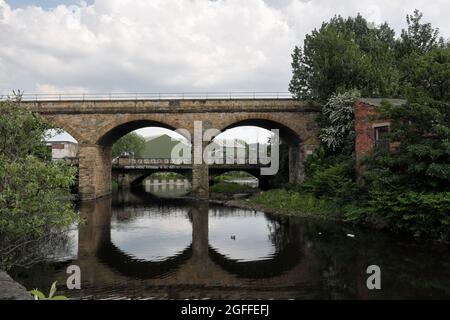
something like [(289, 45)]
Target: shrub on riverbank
[(35, 199)]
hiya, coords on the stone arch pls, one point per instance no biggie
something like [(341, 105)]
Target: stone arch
[(288, 131), (66, 126), (112, 131), (296, 136)]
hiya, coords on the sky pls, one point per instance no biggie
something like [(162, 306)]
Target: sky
[(72, 46)]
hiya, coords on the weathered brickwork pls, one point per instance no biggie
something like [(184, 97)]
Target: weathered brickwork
[(96, 125), (366, 120), (363, 126)]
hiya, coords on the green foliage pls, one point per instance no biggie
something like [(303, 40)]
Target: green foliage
[(230, 188), (333, 181), (29, 188), (295, 202), (417, 213), (38, 295), (429, 74), (232, 175), (345, 54), (131, 143), (418, 38), (406, 189), (409, 187), (35, 199), (421, 160)]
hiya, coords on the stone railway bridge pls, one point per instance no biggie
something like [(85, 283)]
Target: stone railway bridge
[(97, 124)]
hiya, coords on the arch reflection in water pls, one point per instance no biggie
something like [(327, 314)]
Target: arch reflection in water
[(253, 244), (150, 239), (147, 241)]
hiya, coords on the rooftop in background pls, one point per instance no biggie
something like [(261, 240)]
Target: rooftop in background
[(64, 136), (61, 141)]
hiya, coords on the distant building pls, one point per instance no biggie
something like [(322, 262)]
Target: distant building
[(63, 149), (161, 147)]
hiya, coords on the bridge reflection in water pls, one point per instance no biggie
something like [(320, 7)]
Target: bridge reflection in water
[(167, 188), (164, 251), (136, 246)]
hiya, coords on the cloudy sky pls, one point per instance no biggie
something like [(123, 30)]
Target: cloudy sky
[(69, 46)]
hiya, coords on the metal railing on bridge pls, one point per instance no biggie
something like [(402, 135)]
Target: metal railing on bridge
[(175, 161), (187, 161), (152, 96)]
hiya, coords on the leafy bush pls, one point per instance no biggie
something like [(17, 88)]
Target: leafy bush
[(413, 212), (35, 199), (330, 177), (230, 188)]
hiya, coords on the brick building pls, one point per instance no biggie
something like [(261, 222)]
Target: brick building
[(371, 132), (63, 149)]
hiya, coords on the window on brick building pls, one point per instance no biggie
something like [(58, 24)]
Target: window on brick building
[(381, 138)]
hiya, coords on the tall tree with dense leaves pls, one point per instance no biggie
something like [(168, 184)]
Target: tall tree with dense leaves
[(345, 54), (430, 74)]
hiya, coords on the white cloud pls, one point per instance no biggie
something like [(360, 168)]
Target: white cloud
[(173, 45)]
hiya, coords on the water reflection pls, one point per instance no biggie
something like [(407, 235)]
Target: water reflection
[(167, 188), (135, 246)]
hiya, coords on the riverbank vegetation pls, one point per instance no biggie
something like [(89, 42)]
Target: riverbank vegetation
[(405, 189), (35, 201), (230, 188)]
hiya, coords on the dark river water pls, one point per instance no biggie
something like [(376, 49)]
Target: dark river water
[(135, 245)]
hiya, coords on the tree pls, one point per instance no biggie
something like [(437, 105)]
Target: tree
[(131, 143), (409, 186), (418, 38), (345, 54), (35, 200), (430, 75)]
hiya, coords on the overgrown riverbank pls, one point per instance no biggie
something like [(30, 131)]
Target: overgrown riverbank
[(291, 203), (288, 203)]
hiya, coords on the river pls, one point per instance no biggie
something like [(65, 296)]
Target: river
[(145, 245)]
